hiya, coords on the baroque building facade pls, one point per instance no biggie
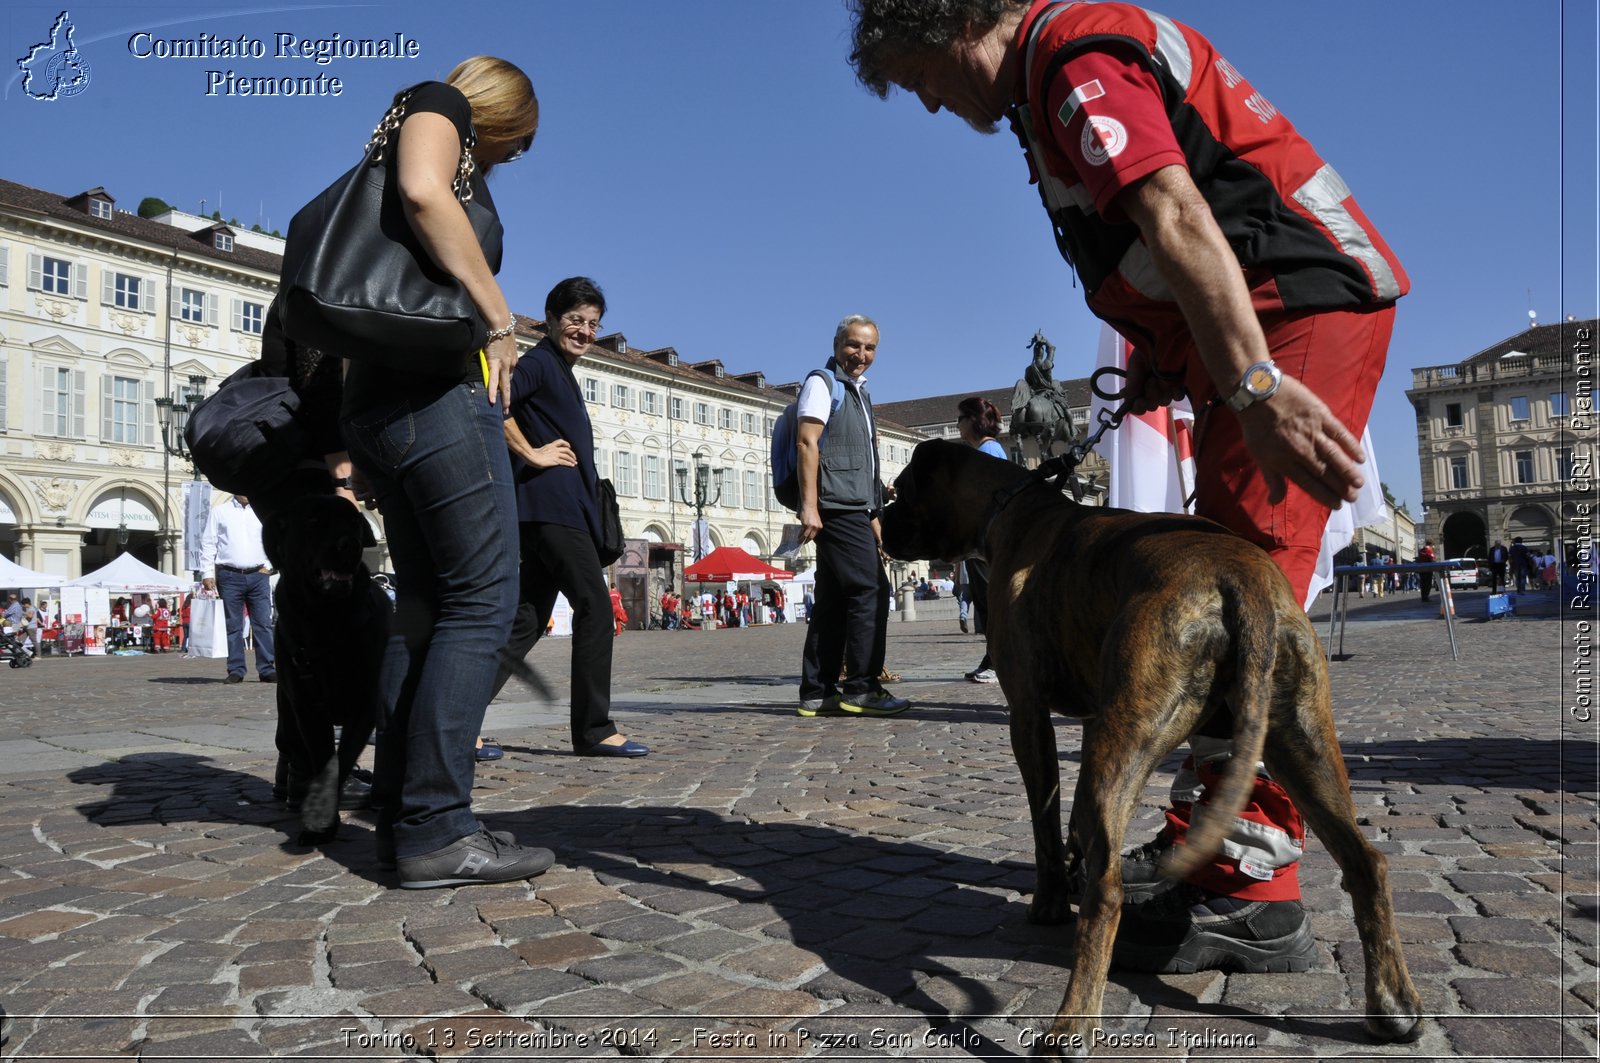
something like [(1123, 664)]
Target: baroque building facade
[(1505, 439), (102, 313)]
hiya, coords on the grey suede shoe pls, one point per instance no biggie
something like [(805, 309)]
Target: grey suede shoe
[(478, 858)]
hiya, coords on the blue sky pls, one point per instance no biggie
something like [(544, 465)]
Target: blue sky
[(714, 165)]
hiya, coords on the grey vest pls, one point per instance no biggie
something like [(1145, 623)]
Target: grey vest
[(848, 476)]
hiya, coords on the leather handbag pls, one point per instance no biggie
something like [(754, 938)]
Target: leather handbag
[(249, 434), (609, 546), (357, 282)]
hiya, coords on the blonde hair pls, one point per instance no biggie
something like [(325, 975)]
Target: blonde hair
[(504, 107)]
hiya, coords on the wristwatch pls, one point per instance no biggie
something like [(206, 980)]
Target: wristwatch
[(343, 483), (1260, 381)]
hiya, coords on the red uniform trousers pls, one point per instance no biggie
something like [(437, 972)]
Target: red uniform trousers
[(1339, 355)]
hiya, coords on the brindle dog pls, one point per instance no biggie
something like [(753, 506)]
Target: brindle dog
[(1143, 625)]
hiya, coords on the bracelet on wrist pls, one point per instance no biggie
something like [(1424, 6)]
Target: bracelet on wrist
[(501, 333)]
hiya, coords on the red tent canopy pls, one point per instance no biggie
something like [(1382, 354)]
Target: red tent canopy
[(727, 563)]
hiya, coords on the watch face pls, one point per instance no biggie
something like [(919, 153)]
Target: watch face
[(1260, 380)]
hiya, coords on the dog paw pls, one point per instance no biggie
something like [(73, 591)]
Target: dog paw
[(1401, 1028), (315, 838), (1050, 909)]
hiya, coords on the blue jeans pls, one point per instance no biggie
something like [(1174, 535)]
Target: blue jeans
[(252, 592), (438, 466)]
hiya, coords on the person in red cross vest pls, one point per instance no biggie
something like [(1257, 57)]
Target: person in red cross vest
[(1245, 275)]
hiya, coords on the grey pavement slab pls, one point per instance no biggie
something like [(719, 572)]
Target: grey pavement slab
[(766, 886)]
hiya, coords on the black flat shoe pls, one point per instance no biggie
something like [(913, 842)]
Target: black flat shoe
[(629, 748)]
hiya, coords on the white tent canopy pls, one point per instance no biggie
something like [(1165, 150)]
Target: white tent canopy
[(14, 575), (130, 575)]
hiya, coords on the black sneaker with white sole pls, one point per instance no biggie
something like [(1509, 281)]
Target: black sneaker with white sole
[(480, 857), (1188, 929)]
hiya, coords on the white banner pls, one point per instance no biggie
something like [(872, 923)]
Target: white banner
[(196, 508), (1152, 468)]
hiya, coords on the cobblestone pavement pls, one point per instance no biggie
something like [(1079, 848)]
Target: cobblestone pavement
[(764, 886)]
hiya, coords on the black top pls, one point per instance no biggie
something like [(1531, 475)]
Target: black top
[(365, 382), (548, 405)]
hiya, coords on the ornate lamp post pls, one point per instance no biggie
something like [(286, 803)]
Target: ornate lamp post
[(703, 495)]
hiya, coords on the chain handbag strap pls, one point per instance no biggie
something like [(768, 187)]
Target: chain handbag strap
[(378, 143)]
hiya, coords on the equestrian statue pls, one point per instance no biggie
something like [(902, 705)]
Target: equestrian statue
[(1039, 408)]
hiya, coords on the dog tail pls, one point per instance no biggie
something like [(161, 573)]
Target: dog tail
[(1253, 632)]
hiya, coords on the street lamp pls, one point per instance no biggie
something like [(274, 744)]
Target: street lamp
[(702, 494), (122, 519)]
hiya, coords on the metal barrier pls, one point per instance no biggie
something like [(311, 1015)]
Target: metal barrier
[(1341, 594)]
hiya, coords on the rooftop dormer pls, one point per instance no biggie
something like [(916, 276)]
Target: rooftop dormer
[(97, 203)]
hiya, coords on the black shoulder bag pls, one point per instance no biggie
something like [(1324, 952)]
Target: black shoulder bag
[(609, 546), (358, 284)]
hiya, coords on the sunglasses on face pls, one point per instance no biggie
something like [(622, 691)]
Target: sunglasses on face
[(520, 150)]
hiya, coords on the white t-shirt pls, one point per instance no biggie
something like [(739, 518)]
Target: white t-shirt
[(816, 402)]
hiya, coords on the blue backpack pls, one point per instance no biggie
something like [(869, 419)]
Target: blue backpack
[(785, 436)]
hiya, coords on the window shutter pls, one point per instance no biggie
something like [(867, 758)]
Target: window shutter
[(5, 265), (238, 315), (147, 297), (35, 270), (211, 308), (46, 393), (147, 414), (108, 293), (107, 404), (80, 388), (174, 302)]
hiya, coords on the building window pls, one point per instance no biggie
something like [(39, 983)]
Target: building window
[(752, 489), (591, 389), (649, 402), (771, 424), (120, 419), (99, 208), (247, 316), (621, 397), (1458, 474), (124, 291), (680, 480), (702, 413), (675, 409), (652, 476), (1559, 407), (725, 488), (623, 474), (1564, 464), (61, 397), (747, 423), (51, 275), (1452, 415), (223, 242), (725, 419), (195, 307), (1519, 408), (1523, 459)]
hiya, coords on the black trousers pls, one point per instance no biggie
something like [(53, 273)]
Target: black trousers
[(850, 620), (304, 743), (557, 558), (978, 580)]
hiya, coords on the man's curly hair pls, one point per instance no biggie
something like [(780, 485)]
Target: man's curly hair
[(888, 30)]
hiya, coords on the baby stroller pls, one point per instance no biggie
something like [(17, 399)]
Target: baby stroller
[(11, 648)]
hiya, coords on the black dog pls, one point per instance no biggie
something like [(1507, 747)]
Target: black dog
[(333, 623)]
